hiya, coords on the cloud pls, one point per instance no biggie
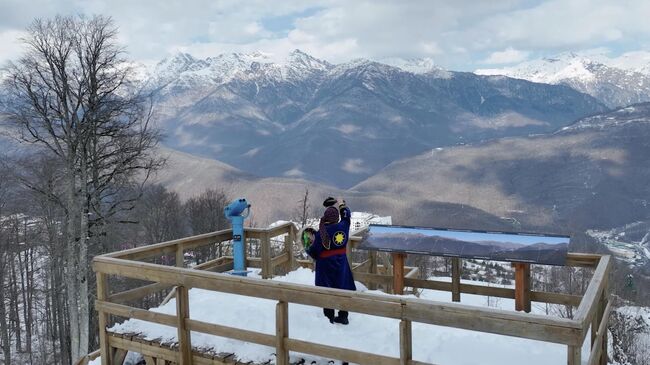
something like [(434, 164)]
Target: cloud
[(295, 172), (457, 35), (509, 55), (355, 166), (347, 128)]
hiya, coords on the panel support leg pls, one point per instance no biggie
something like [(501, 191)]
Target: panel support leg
[(522, 286)]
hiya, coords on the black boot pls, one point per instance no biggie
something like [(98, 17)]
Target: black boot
[(329, 313), (342, 318)]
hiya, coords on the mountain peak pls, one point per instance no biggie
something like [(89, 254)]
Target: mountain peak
[(298, 59), (419, 65)]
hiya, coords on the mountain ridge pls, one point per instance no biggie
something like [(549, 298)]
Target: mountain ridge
[(362, 114), (617, 82)]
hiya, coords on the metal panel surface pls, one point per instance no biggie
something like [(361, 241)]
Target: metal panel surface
[(535, 248)]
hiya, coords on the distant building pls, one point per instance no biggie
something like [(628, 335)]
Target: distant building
[(362, 220)]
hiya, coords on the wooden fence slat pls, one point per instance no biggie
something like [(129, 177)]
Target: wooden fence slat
[(231, 332), (594, 290), (279, 260), (574, 355), (212, 263), (168, 247), (455, 279), (288, 250), (405, 342), (413, 272), (265, 251), (119, 355), (144, 349), (103, 319), (372, 256), (339, 353), (597, 353), (180, 258), (490, 320), (182, 314), (281, 333), (428, 284), (137, 313), (137, 293), (575, 259)]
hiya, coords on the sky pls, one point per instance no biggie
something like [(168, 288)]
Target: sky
[(457, 35)]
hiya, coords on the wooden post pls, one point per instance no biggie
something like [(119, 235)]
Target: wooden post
[(119, 355), (288, 248), (405, 342), (574, 355), (595, 321), (182, 314), (372, 256), (455, 279), (281, 333), (398, 272), (180, 259), (604, 300), (103, 318), (266, 256), (522, 286)]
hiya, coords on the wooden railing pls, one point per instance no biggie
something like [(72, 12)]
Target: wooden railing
[(593, 308)]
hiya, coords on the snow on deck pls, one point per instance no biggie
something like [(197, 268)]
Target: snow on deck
[(378, 335)]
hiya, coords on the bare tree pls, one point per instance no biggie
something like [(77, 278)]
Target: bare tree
[(205, 211), (70, 94), (161, 214), (304, 208)]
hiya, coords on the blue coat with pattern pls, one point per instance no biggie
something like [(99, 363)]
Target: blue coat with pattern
[(333, 271)]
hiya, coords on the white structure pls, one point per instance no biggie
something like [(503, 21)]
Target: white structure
[(362, 220)]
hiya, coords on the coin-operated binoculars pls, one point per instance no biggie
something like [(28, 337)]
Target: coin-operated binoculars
[(236, 212)]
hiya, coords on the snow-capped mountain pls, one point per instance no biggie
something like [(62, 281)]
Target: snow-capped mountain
[(416, 65), (615, 81), (183, 70), (268, 117)]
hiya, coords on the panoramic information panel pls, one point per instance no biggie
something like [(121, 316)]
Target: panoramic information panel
[(514, 247)]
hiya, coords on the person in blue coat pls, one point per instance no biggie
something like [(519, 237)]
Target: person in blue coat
[(329, 252)]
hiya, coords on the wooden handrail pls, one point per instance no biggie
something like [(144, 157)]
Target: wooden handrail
[(597, 346), (594, 291), (570, 332), (530, 326)]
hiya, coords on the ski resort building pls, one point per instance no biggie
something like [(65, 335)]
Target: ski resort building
[(361, 220), (195, 313)]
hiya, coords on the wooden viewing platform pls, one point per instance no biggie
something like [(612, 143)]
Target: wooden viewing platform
[(593, 308)]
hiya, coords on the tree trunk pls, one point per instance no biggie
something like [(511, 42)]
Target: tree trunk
[(14, 307), (71, 265), (82, 268)]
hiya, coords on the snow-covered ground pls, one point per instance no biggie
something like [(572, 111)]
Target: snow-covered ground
[(378, 335)]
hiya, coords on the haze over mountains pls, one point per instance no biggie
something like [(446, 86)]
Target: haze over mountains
[(339, 124)]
